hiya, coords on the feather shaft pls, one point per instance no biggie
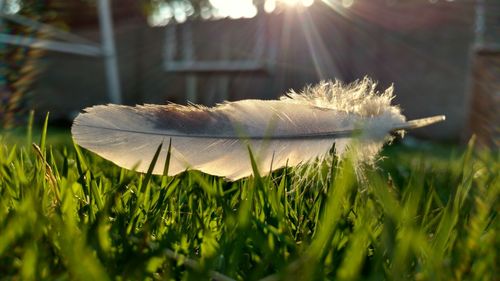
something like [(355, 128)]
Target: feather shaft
[(413, 124)]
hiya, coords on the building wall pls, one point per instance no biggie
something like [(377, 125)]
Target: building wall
[(424, 49)]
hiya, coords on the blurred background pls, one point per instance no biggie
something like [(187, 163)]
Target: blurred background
[(443, 56)]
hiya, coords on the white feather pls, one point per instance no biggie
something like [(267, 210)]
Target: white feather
[(293, 130)]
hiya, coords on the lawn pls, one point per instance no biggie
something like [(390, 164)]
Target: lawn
[(424, 212)]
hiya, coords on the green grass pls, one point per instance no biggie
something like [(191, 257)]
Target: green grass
[(422, 214)]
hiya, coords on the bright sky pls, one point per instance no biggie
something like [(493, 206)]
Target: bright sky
[(234, 9), (246, 9)]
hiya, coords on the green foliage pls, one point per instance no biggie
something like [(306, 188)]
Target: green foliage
[(421, 215), (19, 67)]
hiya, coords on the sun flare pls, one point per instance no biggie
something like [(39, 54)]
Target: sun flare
[(294, 3)]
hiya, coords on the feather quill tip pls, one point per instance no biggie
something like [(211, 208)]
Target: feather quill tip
[(422, 122)]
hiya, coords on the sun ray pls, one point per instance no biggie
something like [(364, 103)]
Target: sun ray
[(339, 6), (323, 63)]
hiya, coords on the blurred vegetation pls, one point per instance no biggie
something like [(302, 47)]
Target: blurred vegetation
[(18, 64), (426, 213)]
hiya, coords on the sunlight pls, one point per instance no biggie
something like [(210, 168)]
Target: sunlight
[(270, 6), (324, 65), (291, 2), (307, 3), (165, 12), (339, 6), (294, 3), (347, 3), (234, 9)]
